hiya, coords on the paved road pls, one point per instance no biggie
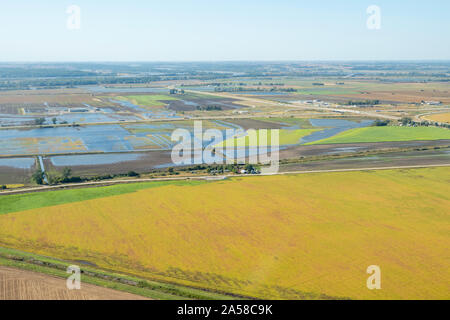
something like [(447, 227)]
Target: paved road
[(113, 182)]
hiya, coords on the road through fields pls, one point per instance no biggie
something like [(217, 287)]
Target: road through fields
[(113, 182)]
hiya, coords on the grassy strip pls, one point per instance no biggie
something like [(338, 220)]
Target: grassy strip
[(138, 286), (21, 202), (147, 100), (386, 134)]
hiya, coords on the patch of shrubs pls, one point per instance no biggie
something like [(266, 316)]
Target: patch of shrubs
[(381, 123)]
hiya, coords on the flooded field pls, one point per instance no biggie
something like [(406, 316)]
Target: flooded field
[(19, 163), (156, 113), (136, 137), (7, 120), (333, 127), (142, 147), (100, 89), (93, 159)]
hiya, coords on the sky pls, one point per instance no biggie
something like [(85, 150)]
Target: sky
[(227, 30)]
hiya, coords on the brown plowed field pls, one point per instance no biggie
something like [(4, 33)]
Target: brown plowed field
[(16, 284)]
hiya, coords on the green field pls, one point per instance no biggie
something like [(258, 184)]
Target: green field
[(19, 202), (148, 100), (387, 134), (287, 137)]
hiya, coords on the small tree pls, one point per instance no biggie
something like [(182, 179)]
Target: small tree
[(132, 174), (53, 178), (39, 121), (406, 121), (67, 172), (38, 177), (54, 120), (249, 167)]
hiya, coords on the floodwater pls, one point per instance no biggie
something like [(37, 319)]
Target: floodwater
[(116, 138), (20, 163), (199, 88), (81, 118), (93, 159), (333, 127), (15, 120), (98, 89), (101, 138), (157, 113)]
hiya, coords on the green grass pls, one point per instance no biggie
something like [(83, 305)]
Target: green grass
[(387, 134), (287, 137), (21, 202), (148, 100)]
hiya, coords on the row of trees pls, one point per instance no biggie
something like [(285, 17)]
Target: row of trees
[(41, 121), (54, 178), (406, 121), (209, 108), (66, 176), (424, 123), (363, 103)]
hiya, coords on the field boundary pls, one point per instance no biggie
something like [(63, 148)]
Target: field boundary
[(220, 177), (154, 289)]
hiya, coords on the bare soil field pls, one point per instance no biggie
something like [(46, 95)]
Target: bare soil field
[(9, 175), (403, 96), (147, 162), (415, 158), (386, 92), (40, 97), (16, 284), (328, 149), (223, 103)]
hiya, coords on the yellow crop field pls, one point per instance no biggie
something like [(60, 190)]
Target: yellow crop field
[(440, 117), (306, 236)]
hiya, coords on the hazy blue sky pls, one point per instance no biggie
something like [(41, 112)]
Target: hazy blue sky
[(148, 30)]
